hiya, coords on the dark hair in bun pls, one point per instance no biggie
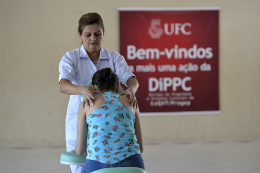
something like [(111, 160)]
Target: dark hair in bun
[(105, 79)]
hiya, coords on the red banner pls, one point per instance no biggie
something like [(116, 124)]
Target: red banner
[(174, 55)]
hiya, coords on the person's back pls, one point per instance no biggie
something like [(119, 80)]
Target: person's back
[(114, 129), (111, 132)]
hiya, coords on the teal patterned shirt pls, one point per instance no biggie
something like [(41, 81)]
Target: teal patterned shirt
[(111, 132)]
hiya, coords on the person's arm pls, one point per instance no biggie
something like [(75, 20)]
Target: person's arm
[(138, 130), (67, 87), (81, 132), (133, 85)]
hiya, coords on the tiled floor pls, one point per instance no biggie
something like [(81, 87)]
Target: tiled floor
[(219, 156)]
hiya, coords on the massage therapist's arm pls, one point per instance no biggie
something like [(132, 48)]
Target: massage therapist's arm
[(81, 132), (67, 87)]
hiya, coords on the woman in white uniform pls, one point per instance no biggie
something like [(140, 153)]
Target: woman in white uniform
[(77, 68)]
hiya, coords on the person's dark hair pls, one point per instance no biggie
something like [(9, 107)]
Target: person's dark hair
[(105, 79), (89, 19)]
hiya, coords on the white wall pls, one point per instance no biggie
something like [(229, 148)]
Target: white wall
[(36, 34)]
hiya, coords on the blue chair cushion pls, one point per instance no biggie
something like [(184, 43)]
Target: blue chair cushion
[(71, 158)]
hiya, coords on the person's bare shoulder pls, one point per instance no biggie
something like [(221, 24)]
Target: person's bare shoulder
[(98, 98), (98, 102), (125, 101)]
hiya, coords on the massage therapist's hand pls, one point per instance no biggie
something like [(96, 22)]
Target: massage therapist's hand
[(88, 97), (133, 85), (132, 99), (67, 87)]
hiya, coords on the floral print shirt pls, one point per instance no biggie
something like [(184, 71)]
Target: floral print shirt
[(111, 132)]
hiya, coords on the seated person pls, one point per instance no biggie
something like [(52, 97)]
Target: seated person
[(114, 127)]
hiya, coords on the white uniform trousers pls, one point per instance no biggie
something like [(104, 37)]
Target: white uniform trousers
[(71, 138)]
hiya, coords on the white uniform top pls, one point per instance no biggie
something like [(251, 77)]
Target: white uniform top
[(77, 67)]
